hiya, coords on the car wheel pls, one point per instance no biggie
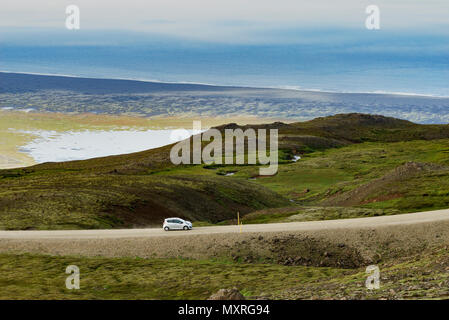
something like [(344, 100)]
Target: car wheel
[(166, 228), (186, 228)]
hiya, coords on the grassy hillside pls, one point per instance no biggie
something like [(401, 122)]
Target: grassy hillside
[(349, 161), (67, 200), (364, 176), (423, 276)]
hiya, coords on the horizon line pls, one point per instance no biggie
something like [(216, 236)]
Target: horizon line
[(287, 88)]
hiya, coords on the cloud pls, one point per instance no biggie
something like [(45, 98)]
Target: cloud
[(226, 20)]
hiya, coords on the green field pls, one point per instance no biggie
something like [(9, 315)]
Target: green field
[(43, 277), (326, 173)]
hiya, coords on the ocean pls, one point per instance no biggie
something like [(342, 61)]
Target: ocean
[(325, 61)]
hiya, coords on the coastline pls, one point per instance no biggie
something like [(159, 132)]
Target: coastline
[(217, 85), (20, 129)]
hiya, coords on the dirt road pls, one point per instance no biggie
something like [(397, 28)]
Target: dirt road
[(359, 223), (338, 243)]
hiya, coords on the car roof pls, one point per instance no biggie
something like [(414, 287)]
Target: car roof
[(173, 218)]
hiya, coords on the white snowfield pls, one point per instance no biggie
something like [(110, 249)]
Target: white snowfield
[(358, 223)]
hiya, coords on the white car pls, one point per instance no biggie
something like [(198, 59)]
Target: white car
[(176, 224)]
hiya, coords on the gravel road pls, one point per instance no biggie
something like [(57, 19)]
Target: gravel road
[(358, 223)]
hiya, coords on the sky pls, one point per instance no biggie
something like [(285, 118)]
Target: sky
[(227, 21), (309, 44)]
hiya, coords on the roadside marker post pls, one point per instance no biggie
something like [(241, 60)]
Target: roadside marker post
[(238, 221)]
